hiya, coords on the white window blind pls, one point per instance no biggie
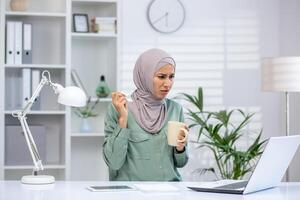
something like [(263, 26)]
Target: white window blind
[(202, 54)]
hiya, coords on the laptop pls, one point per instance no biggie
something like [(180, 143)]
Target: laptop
[(268, 171)]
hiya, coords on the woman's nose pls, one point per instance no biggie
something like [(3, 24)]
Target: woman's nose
[(168, 82)]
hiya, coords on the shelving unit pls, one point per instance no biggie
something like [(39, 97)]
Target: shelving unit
[(49, 52), (100, 52), (69, 154)]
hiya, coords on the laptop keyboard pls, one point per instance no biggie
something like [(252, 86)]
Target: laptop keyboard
[(238, 185)]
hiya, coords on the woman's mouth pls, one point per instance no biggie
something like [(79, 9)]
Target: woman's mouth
[(164, 91)]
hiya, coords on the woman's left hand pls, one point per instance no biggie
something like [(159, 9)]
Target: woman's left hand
[(182, 140)]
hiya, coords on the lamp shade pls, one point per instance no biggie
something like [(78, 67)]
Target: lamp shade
[(281, 74), (72, 96)]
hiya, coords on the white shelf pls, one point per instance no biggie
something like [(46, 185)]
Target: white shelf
[(42, 112), (38, 14), (94, 1), (94, 99), (39, 66), (93, 35), (87, 135), (31, 167)]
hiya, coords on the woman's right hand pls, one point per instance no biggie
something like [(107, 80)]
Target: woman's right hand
[(120, 103)]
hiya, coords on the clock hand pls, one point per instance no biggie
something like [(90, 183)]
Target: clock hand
[(167, 17), (160, 18)]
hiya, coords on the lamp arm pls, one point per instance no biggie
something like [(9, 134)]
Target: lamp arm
[(21, 115), (31, 145)]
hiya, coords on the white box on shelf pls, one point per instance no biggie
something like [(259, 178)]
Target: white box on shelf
[(106, 24)]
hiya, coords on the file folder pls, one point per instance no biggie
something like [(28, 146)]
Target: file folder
[(35, 80), (10, 42), (26, 79), (27, 44), (18, 42)]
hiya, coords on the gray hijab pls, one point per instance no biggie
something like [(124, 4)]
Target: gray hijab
[(148, 111)]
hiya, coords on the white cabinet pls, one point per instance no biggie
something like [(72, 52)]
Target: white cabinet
[(49, 49), (69, 154)]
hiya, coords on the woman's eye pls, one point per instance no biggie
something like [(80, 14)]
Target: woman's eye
[(171, 77), (161, 77)]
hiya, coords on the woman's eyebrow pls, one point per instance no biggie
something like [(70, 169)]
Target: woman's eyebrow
[(160, 73)]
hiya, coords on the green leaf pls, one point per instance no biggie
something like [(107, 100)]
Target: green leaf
[(87, 110), (200, 98), (196, 101), (202, 171)]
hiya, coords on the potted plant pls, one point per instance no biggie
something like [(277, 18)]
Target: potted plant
[(220, 135), (85, 113)]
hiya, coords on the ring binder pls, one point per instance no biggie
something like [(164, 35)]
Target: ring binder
[(18, 42), (27, 44), (10, 42)]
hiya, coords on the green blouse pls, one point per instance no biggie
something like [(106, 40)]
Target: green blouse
[(132, 154)]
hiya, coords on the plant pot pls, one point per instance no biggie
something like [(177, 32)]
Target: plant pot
[(18, 5), (85, 126)]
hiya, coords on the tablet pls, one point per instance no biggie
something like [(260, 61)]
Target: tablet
[(109, 188)]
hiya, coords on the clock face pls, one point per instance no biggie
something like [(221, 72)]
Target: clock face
[(166, 16)]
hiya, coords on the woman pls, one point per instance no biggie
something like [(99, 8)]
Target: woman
[(135, 146)]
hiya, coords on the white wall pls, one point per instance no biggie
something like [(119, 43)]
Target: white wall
[(240, 85)]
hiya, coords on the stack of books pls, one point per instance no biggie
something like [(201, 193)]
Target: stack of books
[(106, 24)]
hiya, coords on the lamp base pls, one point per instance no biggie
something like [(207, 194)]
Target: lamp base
[(37, 179)]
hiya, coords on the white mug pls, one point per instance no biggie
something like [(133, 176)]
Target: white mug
[(174, 128)]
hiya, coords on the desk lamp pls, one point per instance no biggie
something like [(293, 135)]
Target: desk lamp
[(281, 74), (70, 96)]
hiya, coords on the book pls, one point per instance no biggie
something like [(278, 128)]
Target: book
[(106, 24)]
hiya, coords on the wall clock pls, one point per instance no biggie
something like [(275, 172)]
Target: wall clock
[(166, 16)]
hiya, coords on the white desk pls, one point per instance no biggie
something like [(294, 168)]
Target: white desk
[(63, 190)]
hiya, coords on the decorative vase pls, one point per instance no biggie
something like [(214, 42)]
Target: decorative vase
[(102, 89), (18, 5), (85, 126)]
